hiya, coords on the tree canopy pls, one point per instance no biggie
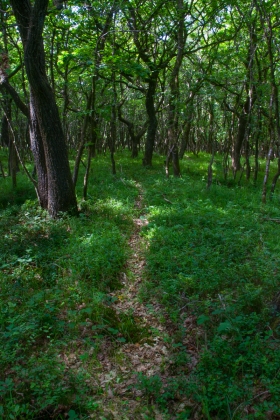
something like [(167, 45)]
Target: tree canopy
[(160, 76)]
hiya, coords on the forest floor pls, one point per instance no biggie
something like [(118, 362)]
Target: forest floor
[(150, 356), (161, 301)]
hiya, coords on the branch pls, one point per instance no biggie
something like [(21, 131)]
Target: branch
[(5, 86), (166, 199), (15, 71)]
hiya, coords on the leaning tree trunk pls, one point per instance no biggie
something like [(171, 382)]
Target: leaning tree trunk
[(60, 188)]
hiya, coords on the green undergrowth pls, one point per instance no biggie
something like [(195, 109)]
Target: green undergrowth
[(214, 255), (212, 264), (56, 279)]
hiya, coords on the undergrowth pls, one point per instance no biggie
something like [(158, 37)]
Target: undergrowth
[(212, 265), (214, 256), (56, 278)]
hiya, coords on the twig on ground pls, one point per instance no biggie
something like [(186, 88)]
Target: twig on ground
[(166, 199)]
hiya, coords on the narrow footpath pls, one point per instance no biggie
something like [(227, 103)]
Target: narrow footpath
[(150, 356)]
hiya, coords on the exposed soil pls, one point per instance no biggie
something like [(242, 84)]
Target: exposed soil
[(149, 356)]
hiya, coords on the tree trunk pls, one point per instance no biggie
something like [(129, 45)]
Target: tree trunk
[(256, 169), (152, 127), (185, 137), (135, 138), (268, 160), (173, 114), (236, 153), (37, 148), (86, 177), (82, 140), (12, 163), (175, 162), (60, 188), (112, 137), (4, 132)]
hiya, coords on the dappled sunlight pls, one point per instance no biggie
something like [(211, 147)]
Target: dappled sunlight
[(205, 269), (212, 258), (112, 207), (56, 278)]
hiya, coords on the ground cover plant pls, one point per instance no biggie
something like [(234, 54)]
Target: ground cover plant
[(70, 335), (214, 256)]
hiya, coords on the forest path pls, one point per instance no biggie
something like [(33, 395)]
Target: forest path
[(132, 281), (150, 355)]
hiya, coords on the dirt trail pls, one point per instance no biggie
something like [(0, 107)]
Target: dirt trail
[(128, 295), (149, 356), (146, 358)]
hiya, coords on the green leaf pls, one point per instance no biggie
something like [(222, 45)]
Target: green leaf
[(73, 415), (202, 319), (218, 312), (84, 356), (113, 330), (224, 327), (86, 310)]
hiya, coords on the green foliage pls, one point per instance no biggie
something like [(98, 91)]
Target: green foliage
[(15, 196), (212, 256), (212, 261), (55, 284)]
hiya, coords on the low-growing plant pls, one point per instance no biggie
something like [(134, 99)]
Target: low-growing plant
[(211, 273)]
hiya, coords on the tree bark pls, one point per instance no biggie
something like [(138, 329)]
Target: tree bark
[(82, 140), (174, 91), (135, 138), (186, 133), (60, 189), (236, 153), (37, 149), (152, 127)]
